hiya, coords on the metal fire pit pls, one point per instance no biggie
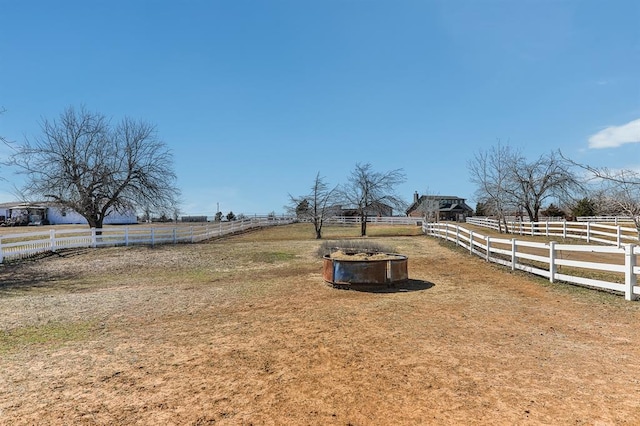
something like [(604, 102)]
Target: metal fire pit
[(365, 272)]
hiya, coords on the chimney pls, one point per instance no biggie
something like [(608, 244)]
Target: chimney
[(415, 197)]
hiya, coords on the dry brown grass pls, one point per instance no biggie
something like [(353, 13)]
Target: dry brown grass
[(242, 330)]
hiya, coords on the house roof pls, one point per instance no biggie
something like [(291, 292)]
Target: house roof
[(25, 205), (455, 207)]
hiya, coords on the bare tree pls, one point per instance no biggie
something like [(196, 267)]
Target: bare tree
[(84, 163), (490, 170), (623, 197), (508, 182), (367, 190), (618, 193), (3, 140), (428, 205), (315, 206), (532, 183)]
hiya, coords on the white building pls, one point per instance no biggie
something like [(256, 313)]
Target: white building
[(54, 214)]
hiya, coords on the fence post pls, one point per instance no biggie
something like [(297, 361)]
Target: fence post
[(126, 236), (488, 248), (552, 261), (457, 235), (588, 232), (52, 238), (1, 251), (564, 229), (546, 226), (191, 233), (471, 242), (630, 278), (513, 254), (93, 238), (153, 237), (174, 236), (619, 237)]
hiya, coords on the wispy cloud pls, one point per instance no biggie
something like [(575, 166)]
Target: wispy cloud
[(615, 136)]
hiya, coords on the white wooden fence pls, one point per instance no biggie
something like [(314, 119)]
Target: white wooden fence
[(589, 231), (385, 220), (544, 258), (614, 219), (14, 246)]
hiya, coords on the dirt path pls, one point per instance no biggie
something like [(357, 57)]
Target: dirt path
[(244, 331)]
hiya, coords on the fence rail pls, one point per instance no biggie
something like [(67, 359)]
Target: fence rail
[(589, 231), (544, 259), (15, 246), (614, 219), (385, 220)]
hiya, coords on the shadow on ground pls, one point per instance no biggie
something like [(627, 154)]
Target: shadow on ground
[(403, 287), (18, 276)]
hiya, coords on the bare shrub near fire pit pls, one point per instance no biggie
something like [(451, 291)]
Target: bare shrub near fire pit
[(353, 247)]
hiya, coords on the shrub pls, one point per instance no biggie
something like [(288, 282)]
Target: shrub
[(353, 247)]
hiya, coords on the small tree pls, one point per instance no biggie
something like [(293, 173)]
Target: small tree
[(302, 209), (231, 216), (490, 171), (367, 190), (584, 207), (481, 209), (316, 205), (553, 211), (218, 217), (429, 208)]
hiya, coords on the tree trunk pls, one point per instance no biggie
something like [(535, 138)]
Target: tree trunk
[(506, 226), (363, 225), (317, 224), (95, 222)]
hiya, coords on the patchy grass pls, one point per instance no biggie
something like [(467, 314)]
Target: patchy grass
[(49, 335), (271, 256)]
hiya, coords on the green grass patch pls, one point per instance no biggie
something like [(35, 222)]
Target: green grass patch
[(271, 256), (52, 334)]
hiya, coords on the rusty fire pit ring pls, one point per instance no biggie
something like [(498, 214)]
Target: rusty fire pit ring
[(385, 272)]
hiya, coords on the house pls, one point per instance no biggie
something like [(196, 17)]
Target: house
[(439, 207), (17, 214), (47, 213)]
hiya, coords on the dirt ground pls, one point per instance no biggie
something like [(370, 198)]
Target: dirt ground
[(243, 330)]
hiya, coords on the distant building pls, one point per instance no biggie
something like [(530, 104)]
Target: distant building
[(439, 207), (43, 213)]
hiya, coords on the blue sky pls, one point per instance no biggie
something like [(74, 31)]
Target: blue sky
[(255, 97)]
